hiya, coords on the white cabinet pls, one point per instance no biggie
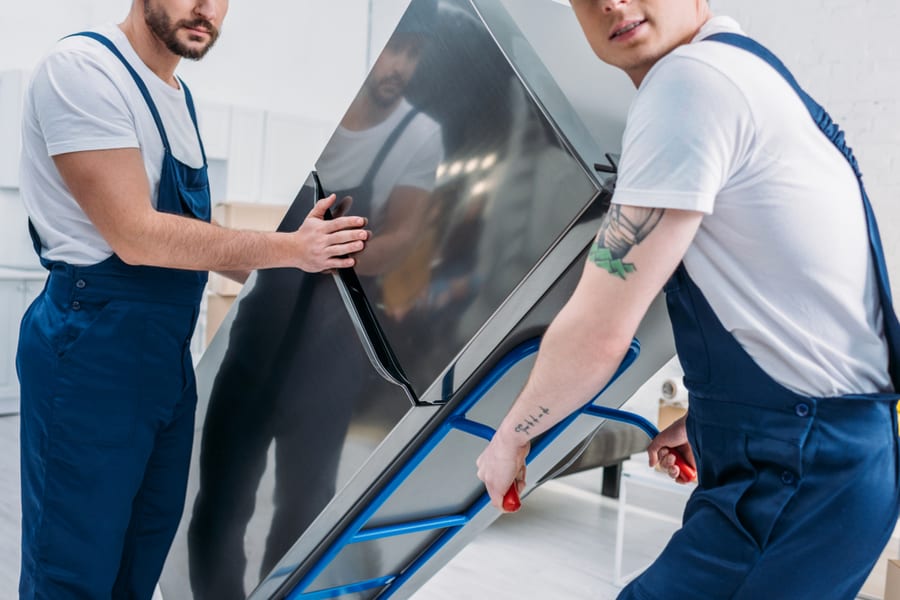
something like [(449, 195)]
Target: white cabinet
[(17, 290)]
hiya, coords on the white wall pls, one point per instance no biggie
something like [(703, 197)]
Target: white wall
[(304, 57), (845, 54)]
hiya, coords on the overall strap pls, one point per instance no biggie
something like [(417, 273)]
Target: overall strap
[(833, 132), (36, 243), (190, 104), (388, 146), (137, 80)]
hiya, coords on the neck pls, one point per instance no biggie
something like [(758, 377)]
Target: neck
[(365, 113), (150, 49), (638, 73)]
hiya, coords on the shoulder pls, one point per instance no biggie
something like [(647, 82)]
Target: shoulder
[(419, 121), (80, 62), (689, 130), (704, 71), (425, 126), (79, 98), (423, 131), (77, 48), (694, 91)]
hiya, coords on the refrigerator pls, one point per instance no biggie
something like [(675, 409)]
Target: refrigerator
[(340, 414)]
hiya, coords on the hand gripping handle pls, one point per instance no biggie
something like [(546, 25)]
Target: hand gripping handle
[(688, 473), (511, 500)]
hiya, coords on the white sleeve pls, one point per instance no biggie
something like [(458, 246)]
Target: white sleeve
[(79, 107), (686, 134), (422, 167)]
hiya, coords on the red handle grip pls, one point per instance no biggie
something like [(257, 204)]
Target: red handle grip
[(687, 472), (511, 500)]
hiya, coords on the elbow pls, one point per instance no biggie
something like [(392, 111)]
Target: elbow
[(597, 343), (611, 348), (129, 259), (129, 253), (133, 243)]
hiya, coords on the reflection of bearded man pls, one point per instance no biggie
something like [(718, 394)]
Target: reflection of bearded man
[(197, 30), (394, 68)]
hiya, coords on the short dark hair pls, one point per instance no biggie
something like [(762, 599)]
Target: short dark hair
[(419, 17)]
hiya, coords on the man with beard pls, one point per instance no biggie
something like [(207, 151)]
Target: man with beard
[(114, 181), (385, 152)]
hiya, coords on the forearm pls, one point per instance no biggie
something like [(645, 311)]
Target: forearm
[(587, 341), (573, 364), (112, 189), (173, 241)]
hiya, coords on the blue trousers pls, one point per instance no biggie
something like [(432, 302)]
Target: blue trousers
[(107, 421), (794, 501)]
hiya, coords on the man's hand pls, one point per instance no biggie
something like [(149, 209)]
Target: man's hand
[(501, 464), (327, 244), (673, 437)]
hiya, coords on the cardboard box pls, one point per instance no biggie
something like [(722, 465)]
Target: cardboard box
[(669, 413), (223, 286), (216, 308), (892, 583), (243, 215), (249, 215)]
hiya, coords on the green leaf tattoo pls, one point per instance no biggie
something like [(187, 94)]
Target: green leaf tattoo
[(603, 258), (623, 227)]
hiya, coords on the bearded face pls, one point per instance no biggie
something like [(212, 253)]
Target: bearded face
[(394, 68), (188, 38)]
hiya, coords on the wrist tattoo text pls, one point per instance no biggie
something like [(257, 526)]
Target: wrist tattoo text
[(532, 420)]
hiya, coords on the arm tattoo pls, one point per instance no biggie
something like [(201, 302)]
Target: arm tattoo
[(620, 231), (531, 420)]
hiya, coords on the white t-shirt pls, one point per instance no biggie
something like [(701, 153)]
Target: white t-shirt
[(81, 97), (782, 254), (412, 162)]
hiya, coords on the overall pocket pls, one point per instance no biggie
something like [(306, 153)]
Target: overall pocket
[(778, 469), (99, 374), (749, 477)]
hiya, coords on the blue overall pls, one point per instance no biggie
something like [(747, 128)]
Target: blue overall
[(107, 401), (797, 496)]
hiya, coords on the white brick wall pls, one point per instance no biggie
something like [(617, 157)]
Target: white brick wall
[(846, 54)]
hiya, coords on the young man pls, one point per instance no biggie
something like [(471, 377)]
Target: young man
[(114, 181), (780, 306)]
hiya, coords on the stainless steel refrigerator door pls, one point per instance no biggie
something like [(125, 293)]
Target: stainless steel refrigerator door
[(486, 205)]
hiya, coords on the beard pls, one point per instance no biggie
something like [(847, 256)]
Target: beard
[(161, 26), (386, 91)]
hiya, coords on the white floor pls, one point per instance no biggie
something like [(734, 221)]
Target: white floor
[(561, 545)]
